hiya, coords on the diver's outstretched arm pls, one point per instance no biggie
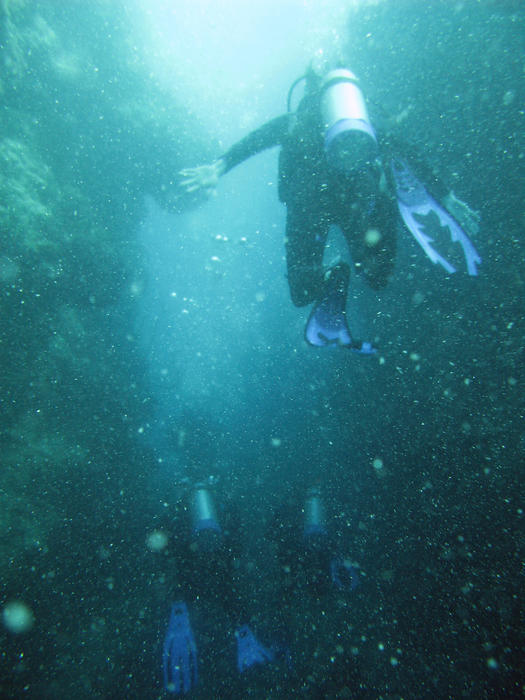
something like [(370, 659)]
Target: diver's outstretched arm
[(206, 177)]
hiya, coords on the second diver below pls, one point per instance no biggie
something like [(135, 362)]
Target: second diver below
[(335, 170), (216, 594)]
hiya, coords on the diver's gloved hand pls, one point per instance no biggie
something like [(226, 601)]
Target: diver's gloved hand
[(203, 177), (344, 575), (249, 650), (179, 656), (469, 218)]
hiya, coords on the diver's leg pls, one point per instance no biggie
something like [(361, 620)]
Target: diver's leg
[(305, 240), (371, 238), (306, 233)]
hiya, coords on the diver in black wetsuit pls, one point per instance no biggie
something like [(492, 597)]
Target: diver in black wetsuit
[(331, 172), (319, 193)]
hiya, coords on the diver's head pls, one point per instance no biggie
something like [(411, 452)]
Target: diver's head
[(314, 76), (313, 81)]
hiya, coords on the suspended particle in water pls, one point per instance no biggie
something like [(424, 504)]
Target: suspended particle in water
[(372, 237), (17, 617), (156, 541)]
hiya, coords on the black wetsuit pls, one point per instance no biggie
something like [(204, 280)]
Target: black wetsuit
[(317, 196)]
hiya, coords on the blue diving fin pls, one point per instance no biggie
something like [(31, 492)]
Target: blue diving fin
[(327, 324), (179, 655), (249, 650), (414, 200)]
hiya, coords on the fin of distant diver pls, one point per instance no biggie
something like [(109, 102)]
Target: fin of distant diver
[(327, 323), (414, 200)]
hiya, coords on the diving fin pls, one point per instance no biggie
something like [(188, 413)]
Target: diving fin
[(327, 323), (414, 200)]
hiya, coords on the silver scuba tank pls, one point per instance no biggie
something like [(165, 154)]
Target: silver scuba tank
[(206, 528), (314, 518), (349, 138)]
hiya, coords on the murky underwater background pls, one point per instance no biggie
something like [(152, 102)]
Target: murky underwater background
[(147, 342)]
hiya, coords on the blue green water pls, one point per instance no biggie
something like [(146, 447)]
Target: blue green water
[(147, 341)]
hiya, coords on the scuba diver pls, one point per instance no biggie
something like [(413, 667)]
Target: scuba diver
[(335, 170), (210, 590), (207, 576)]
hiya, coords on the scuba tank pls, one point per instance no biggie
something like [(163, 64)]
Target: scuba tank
[(349, 138), (314, 516), (206, 529)]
